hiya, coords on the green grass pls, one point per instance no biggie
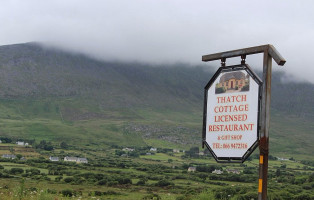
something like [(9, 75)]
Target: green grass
[(291, 136), (41, 119), (161, 157)]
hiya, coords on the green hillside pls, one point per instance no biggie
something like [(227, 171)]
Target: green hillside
[(48, 94)]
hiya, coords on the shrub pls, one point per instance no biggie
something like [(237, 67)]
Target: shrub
[(51, 191), (67, 193), (33, 171), (97, 193), (164, 183), (58, 178), (152, 196), (16, 170), (124, 181), (141, 182), (110, 192), (102, 182), (112, 183), (249, 195), (68, 179), (303, 197)]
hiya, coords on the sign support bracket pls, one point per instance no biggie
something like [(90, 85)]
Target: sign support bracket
[(270, 53)]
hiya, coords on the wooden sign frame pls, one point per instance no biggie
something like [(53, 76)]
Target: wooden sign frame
[(270, 53)]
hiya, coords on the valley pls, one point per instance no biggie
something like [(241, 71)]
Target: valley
[(116, 114)]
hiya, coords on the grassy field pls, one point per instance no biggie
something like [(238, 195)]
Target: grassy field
[(100, 135), (153, 169)]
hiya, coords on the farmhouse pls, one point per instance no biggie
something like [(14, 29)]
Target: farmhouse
[(81, 160), (70, 159), (127, 149), (75, 159), (8, 156), (217, 171), (21, 143), (191, 169), (54, 159), (232, 80), (234, 171), (153, 149), (282, 158), (176, 151)]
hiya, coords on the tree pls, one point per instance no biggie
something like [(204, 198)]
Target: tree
[(64, 145), (19, 156), (44, 145), (193, 152), (278, 172), (164, 183), (68, 179), (67, 192), (16, 170), (5, 140)]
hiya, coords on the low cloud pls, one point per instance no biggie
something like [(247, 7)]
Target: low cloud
[(166, 31)]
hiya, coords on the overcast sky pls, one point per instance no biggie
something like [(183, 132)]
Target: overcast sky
[(166, 31)]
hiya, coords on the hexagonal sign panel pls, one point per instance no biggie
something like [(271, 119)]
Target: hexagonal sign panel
[(231, 113)]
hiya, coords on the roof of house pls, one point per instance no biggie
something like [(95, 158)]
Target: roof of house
[(230, 75)]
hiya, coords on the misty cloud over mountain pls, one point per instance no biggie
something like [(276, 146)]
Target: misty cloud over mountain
[(166, 31)]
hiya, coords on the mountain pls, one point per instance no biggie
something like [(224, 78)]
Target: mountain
[(55, 95)]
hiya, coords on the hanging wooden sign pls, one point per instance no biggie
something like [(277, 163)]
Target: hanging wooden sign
[(231, 113)]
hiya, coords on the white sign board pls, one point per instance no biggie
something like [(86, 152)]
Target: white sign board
[(231, 120)]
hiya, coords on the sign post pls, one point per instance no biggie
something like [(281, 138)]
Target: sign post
[(212, 130)]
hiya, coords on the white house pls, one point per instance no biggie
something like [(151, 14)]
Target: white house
[(81, 160), (234, 171), (282, 158), (153, 149), (127, 149), (191, 169), (53, 159), (217, 171), (176, 151), (20, 143), (9, 156), (70, 159), (75, 159)]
